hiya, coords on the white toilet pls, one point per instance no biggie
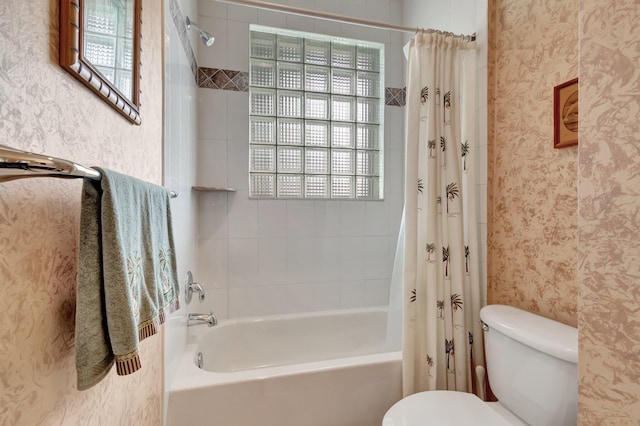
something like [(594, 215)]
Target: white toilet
[(532, 368)]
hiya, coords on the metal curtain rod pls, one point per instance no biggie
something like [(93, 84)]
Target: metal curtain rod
[(335, 17), (18, 164)]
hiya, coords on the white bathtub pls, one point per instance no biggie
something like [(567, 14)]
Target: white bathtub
[(324, 369)]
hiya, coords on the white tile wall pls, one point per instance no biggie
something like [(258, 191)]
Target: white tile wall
[(327, 5), (377, 218), (212, 9), (377, 292), (326, 254), (242, 215), (237, 159), (327, 218), (378, 10), (376, 254), (272, 218), (331, 28), (217, 55), (290, 256), (272, 19), (212, 115), (216, 300), (352, 217), (353, 294), (354, 8), (300, 218), (212, 215), (211, 162), (242, 14), (272, 261), (238, 110), (243, 262), (300, 260), (327, 296), (179, 174), (294, 256), (299, 23), (213, 258), (243, 302), (352, 258), (299, 298)]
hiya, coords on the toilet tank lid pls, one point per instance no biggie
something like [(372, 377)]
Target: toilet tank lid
[(545, 335)]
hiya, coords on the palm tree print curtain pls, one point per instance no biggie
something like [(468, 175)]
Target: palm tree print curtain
[(442, 337)]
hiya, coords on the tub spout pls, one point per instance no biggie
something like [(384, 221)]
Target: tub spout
[(209, 318)]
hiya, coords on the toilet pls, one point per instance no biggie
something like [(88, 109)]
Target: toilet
[(532, 365)]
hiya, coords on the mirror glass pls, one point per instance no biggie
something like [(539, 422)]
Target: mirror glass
[(99, 45)]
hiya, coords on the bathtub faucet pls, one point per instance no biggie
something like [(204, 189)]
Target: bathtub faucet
[(209, 318)]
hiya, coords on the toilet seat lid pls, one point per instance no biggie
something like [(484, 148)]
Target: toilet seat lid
[(442, 408)]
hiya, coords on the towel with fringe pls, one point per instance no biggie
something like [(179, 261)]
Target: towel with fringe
[(127, 281)]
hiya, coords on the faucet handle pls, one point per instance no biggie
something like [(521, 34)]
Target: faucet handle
[(198, 289), (191, 287)]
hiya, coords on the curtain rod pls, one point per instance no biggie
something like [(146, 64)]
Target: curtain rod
[(334, 17)]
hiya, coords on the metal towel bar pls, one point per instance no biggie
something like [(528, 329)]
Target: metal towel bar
[(18, 164)]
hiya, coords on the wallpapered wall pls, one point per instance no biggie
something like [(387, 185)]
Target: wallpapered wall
[(44, 109), (609, 318), (534, 46), (532, 194)]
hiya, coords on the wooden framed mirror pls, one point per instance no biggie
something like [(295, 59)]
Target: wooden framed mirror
[(100, 46)]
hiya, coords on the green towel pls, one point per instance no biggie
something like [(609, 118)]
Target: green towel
[(127, 280)]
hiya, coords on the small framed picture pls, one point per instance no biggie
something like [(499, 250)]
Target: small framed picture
[(565, 114)]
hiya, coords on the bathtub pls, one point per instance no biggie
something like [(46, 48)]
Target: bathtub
[(324, 369)]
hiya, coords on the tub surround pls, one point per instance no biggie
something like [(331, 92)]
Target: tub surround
[(283, 256), (180, 26), (179, 157)]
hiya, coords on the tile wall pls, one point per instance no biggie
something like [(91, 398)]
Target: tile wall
[(179, 157), (276, 256)]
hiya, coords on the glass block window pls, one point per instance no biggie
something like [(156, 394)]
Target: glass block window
[(108, 41), (316, 116)]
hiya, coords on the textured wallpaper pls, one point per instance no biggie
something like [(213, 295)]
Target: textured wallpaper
[(44, 109), (609, 309), (532, 214)]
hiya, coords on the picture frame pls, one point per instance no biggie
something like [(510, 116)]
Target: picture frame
[(565, 114), (100, 47)]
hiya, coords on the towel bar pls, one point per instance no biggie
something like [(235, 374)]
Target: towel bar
[(17, 164)]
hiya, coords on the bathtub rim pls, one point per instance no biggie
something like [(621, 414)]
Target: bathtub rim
[(189, 376), (197, 329)]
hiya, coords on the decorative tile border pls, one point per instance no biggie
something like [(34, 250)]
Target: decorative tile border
[(213, 78), (394, 96), (238, 81)]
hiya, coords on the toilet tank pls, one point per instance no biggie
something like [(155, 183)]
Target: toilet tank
[(532, 365)]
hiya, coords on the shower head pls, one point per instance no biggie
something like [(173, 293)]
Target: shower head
[(206, 38)]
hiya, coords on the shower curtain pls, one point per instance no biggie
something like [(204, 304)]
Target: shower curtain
[(442, 334)]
